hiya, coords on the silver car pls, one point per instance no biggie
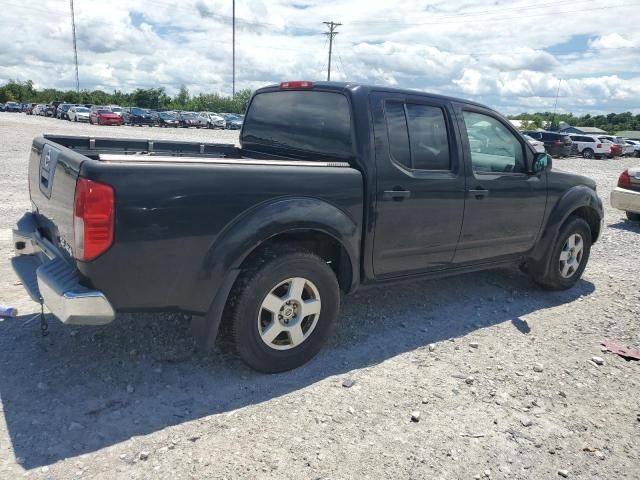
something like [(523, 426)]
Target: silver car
[(626, 196), (79, 114)]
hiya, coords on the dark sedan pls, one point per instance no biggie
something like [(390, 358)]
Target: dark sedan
[(12, 107), (136, 116), (166, 119)]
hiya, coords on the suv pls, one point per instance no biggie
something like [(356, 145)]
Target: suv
[(556, 144), (589, 146), (62, 112)]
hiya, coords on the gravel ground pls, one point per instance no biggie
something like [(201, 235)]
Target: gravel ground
[(497, 372)]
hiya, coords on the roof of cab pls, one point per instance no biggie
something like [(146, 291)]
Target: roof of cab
[(360, 87)]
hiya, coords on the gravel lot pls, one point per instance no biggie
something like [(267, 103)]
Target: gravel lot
[(499, 371)]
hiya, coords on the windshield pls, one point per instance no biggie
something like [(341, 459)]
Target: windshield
[(188, 115), (167, 115), (116, 109), (81, 109), (312, 122), (103, 111)]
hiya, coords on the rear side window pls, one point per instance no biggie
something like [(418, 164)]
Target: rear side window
[(308, 122), (418, 136)]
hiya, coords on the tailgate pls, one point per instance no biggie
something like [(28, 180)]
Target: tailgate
[(53, 171)]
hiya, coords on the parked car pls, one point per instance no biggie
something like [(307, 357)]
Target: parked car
[(13, 107), (104, 116), (62, 111), (233, 122), (187, 119), (166, 119), (272, 232), (616, 149), (79, 114), (537, 145), (556, 144), (30, 107), (623, 147), (116, 109), (213, 120), (635, 144), (136, 116), (626, 196), (589, 146), (37, 109)]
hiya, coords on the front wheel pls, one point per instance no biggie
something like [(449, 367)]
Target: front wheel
[(568, 257), (284, 309), (634, 217)]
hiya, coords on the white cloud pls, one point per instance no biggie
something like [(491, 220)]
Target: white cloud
[(494, 53)]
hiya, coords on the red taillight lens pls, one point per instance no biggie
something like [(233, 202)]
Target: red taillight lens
[(624, 180), (558, 142), (296, 84), (93, 218), (598, 145)]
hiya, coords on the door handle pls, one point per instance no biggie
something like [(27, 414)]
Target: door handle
[(479, 193), (395, 194)]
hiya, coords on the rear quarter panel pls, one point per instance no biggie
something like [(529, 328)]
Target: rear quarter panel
[(171, 220)]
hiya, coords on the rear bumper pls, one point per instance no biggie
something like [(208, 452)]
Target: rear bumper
[(49, 278), (627, 200)]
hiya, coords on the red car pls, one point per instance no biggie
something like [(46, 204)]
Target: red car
[(616, 149), (104, 116)]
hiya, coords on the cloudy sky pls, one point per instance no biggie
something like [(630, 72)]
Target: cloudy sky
[(512, 55)]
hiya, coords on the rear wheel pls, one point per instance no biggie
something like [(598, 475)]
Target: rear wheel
[(633, 216), (283, 309), (587, 153), (568, 257)]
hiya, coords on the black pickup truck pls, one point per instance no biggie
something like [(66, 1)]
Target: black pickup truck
[(334, 186)]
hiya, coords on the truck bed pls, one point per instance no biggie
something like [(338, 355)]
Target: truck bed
[(176, 203)]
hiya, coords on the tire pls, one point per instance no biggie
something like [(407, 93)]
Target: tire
[(554, 279), (587, 153), (271, 277), (634, 217)]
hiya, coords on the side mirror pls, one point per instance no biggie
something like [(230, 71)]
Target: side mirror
[(541, 162)]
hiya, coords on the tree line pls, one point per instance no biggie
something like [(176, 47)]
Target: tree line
[(612, 122), (155, 98)]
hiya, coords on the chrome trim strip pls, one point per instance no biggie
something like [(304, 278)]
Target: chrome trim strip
[(107, 157)]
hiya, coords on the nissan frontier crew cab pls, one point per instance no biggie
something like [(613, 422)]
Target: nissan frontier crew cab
[(334, 186)]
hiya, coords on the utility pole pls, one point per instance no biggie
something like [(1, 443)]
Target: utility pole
[(555, 104), (233, 22), (75, 46), (331, 33)]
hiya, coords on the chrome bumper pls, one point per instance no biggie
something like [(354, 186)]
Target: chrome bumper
[(627, 200), (49, 278)]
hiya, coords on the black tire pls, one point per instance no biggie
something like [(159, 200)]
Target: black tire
[(634, 217), (245, 306), (553, 280), (587, 153)]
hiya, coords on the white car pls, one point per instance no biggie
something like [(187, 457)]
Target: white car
[(635, 144), (78, 114), (626, 196), (116, 109), (214, 120), (590, 146), (537, 145)]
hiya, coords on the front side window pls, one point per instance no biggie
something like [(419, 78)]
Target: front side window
[(494, 148)]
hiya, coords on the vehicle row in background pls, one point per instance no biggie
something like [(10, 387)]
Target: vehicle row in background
[(133, 116), (558, 144)]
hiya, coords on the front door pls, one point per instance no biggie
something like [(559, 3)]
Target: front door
[(420, 184), (505, 204)]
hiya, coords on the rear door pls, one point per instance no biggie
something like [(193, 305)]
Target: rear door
[(504, 204), (420, 184)]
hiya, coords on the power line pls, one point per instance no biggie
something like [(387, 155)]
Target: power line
[(75, 46), (331, 33)]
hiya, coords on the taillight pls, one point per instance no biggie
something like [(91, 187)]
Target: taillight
[(624, 180), (296, 84), (93, 218), (598, 145), (558, 142)]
